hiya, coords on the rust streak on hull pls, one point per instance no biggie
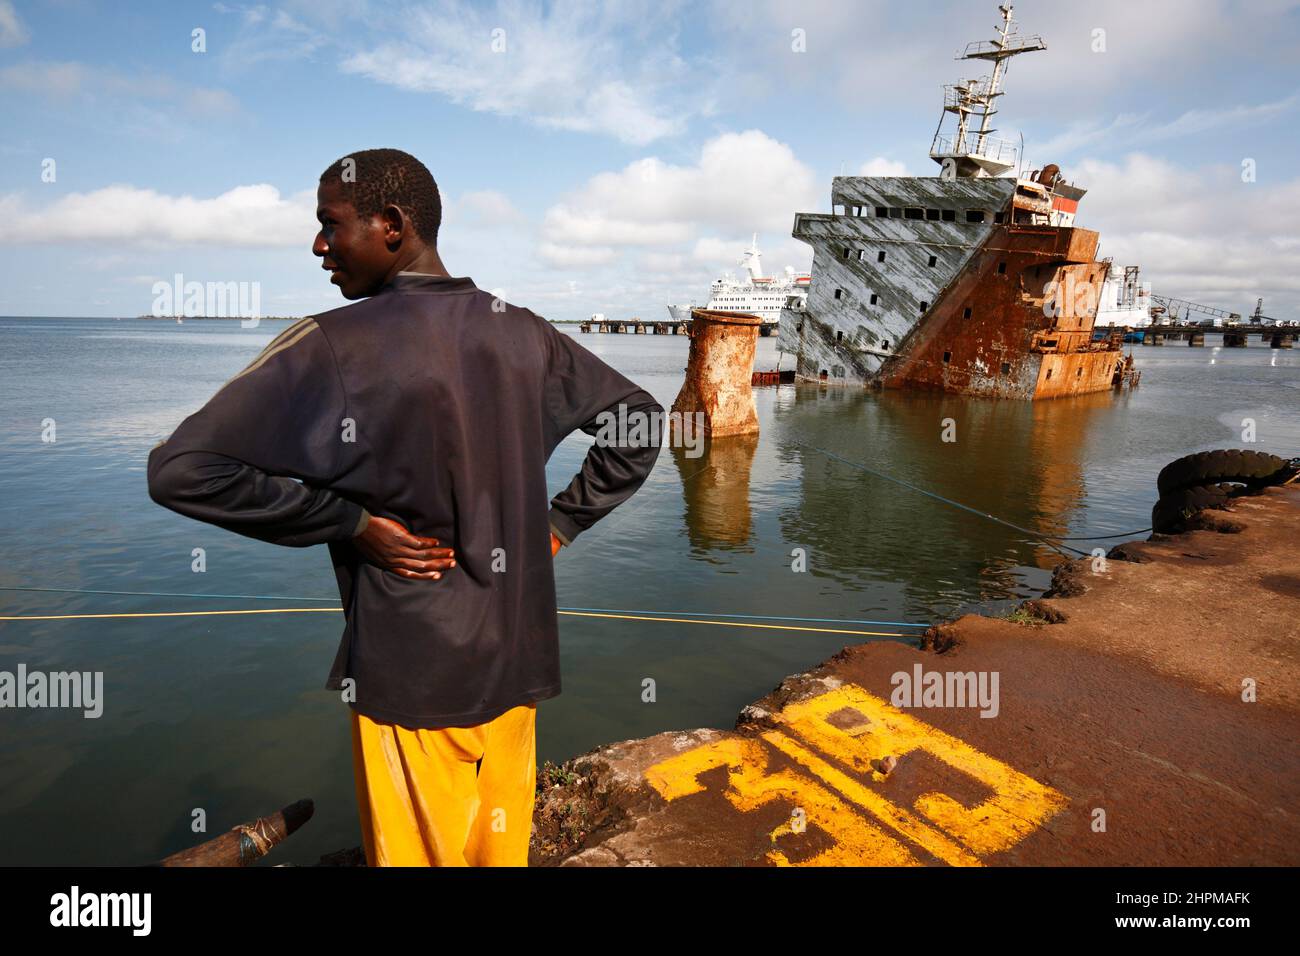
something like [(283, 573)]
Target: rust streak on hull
[(1016, 323)]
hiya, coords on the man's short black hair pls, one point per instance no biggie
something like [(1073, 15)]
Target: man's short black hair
[(373, 178)]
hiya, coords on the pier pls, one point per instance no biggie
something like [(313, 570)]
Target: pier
[(1137, 685), (635, 326), (1234, 337)]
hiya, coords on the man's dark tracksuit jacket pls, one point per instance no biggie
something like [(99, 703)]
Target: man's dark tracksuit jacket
[(453, 407)]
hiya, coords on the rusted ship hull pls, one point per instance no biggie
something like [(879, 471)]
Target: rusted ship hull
[(975, 281), (1015, 323), (932, 284)]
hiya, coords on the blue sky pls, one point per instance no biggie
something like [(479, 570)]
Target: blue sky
[(612, 158)]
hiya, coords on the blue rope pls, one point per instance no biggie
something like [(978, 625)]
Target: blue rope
[(1051, 542)]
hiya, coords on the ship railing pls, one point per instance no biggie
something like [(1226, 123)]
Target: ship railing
[(968, 93), (996, 150), (983, 49)]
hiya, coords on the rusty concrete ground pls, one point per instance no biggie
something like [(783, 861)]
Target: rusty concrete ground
[(1154, 723)]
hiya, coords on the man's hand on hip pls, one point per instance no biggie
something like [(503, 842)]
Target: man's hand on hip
[(388, 545)]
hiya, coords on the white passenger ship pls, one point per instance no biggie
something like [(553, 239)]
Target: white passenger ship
[(754, 293)]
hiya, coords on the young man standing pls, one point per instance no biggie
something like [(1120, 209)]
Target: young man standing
[(410, 432)]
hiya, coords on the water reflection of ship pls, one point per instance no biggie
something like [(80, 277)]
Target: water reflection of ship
[(754, 293), (1022, 462)]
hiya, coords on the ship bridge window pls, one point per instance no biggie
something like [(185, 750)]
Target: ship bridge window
[(838, 293), (838, 209), (934, 261), (839, 336), (974, 215), (874, 298), (862, 255), (949, 215), (882, 212), (846, 252), (997, 217), (947, 357), (880, 256), (912, 212), (895, 212), (924, 306), (966, 314), (932, 215), (1002, 268)]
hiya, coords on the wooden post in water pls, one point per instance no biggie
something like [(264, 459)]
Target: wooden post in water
[(718, 373)]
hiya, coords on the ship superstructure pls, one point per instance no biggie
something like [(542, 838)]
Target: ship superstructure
[(974, 281), (753, 293)]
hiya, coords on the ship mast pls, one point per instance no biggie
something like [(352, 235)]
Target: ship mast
[(977, 98)]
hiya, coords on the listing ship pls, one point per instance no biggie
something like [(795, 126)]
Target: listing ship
[(975, 281), (754, 293)]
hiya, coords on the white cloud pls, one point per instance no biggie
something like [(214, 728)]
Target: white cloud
[(13, 32), (484, 208), (1202, 235), (47, 78), (880, 166), (610, 70), (573, 257), (1134, 129), (97, 85), (743, 182), (254, 216), (245, 216), (267, 35)]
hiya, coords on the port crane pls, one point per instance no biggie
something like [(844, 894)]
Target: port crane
[(1172, 306)]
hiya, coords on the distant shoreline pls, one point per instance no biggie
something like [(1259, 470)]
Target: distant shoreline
[(199, 318)]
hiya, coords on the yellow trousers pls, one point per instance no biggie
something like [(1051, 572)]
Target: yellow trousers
[(455, 796)]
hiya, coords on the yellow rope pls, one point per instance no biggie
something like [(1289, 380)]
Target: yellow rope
[(775, 627), (336, 610), (79, 617)]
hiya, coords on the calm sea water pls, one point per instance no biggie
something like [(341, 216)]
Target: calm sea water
[(228, 713)]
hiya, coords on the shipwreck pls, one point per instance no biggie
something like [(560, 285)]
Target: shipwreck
[(975, 281)]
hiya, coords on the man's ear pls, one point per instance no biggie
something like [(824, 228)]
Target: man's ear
[(396, 225)]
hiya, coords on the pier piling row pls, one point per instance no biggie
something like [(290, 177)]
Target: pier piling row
[(643, 327)]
